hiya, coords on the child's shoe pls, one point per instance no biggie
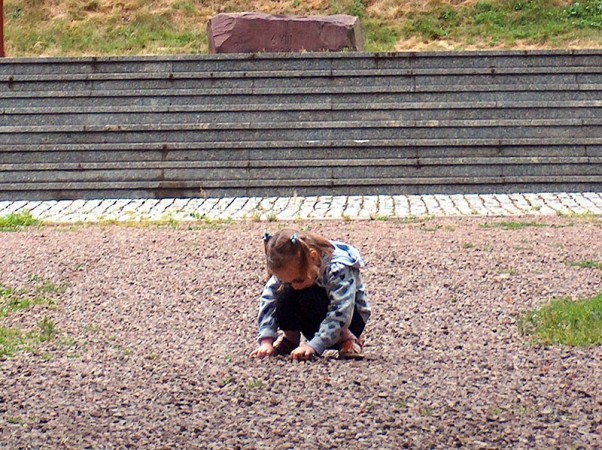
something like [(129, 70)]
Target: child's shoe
[(351, 349), (284, 346)]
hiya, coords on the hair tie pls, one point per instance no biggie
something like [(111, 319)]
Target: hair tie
[(294, 238), (266, 237)]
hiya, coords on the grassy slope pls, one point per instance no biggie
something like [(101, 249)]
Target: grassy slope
[(120, 27)]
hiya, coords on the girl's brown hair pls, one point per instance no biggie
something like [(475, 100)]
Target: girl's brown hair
[(290, 246)]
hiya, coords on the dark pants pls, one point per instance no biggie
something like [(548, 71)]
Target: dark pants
[(304, 311)]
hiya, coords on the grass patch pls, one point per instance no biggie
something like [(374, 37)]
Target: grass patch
[(13, 339), (508, 24), (587, 264), (512, 225), (566, 322), (138, 27), (18, 221)]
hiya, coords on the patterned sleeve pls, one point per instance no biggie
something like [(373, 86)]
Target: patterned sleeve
[(268, 325), (341, 287)]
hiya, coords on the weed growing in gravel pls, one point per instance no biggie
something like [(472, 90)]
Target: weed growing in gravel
[(204, 222), (255, 383), (566, 322), (16, 420), (17, 221), (586, 217), (380, 218), (48, 330), (506, 273), (513, 225), (587, 264), (417, 219), (403, 404), (425, 411)]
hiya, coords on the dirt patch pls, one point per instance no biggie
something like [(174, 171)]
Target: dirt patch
[(156, 326)]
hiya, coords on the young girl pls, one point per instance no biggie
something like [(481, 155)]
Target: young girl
[(315, 289)]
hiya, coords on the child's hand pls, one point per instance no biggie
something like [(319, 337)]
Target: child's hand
[(265, 349), (303, 352)]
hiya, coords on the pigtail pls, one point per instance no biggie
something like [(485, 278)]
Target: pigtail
[(303, 253)]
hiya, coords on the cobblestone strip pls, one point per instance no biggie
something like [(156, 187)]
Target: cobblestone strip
[(433, 206), (200, 209), (321, 207), (556, 204), (447, 205), (586, 204), (386, 207), (354, 203), (39, 211), (337, 208), (292, 210), (97, 213), (521, 203), (13, 207), (307, 207), (75, 212), (145, 209), (506, 206), (281, 204), (461, 204), (369, 208), (529, 204), (596, 200), (417, 206), (249, 210), (401, 205), (236, 205), (375, 207), (55, 212), (218, 212)]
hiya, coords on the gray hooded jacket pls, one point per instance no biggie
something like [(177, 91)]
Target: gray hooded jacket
[(343, 282)]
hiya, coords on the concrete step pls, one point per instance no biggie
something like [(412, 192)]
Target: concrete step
[(444, 81), (203, 171), (305, 131), (364, 186), (306, 61), (192, 114), (227, 152), (224, 100)]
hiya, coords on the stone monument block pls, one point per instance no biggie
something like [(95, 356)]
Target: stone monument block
[(253, 32)]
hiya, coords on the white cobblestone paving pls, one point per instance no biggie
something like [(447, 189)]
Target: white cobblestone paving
[(353, 204), (401, 206), (417, 206), (596, 200), (248, 210), (337, 208), (311, 207), (386, 207), (321, 207)]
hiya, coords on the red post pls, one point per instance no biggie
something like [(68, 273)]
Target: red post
[(1, 28)]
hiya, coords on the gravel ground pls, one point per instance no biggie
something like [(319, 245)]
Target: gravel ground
[(156, 324)]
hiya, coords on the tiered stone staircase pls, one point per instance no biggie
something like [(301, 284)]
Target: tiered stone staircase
[(286, 124)]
